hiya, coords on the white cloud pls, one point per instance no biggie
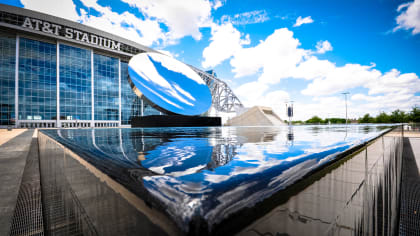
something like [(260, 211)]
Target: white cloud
[(387, 103), (245, 18), (313, 68), (300, 21), (323, 46), (409, 18), (183, 18), (251, 93), (275, 57), (337, 79), (386, 92), (280, 56), (256, 94), (394, 82), (225, 41), (146, 32), (217, 4), (64, 8)]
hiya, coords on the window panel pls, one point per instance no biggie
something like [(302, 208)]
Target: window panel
[(7, 79), (75, 68), (106, 87), (36, 60), (130, 103)]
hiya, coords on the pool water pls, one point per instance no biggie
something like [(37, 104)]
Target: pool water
[(206, 175)]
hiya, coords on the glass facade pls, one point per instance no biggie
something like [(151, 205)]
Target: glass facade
[(130, 103), (37, 80), (75, 83), (37, 86), (106, 88), (148, 110), (7, 79)]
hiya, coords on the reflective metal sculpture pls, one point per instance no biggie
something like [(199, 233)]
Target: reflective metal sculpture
[(168, 84)]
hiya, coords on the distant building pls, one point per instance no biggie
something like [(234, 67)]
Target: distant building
[(256, 116), (353, 121)]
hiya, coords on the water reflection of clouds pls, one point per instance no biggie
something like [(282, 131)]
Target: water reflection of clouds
[(179, 157), (259, 169)]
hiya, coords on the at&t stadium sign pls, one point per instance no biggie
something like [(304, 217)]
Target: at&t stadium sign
[(70, 33)]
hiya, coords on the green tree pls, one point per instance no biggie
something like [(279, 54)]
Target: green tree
[(414, 115), (382, 118), (314, 120), (398, 116), (367, 119), (338, 120)]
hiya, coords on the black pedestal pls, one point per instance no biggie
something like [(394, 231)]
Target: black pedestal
[(175, 121)]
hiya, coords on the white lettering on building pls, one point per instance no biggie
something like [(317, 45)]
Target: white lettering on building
[(27, 23), (70, 33)]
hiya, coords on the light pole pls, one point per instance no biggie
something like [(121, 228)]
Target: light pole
[(289, 110), (345, 97)]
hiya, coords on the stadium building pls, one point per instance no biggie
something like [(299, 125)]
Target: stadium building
[(59, 73)]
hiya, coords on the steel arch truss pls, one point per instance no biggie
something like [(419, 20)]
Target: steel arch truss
[(223, 98)]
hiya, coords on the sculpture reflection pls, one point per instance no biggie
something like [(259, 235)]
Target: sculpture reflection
[(172, 154)]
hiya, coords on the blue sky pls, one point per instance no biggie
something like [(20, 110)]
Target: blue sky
[(273, 51)]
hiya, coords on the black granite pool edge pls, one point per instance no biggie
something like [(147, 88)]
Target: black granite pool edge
[(242, 218)]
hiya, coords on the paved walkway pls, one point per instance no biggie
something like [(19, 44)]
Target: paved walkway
[(410, 187), (6, 135), (411, 134), (13, 154)]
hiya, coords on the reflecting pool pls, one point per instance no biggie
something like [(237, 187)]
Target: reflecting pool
[(201, 177)]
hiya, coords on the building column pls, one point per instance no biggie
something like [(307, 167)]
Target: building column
[(92, 73), (141, 107), (58, 125), (17, 83), (119, 92)]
